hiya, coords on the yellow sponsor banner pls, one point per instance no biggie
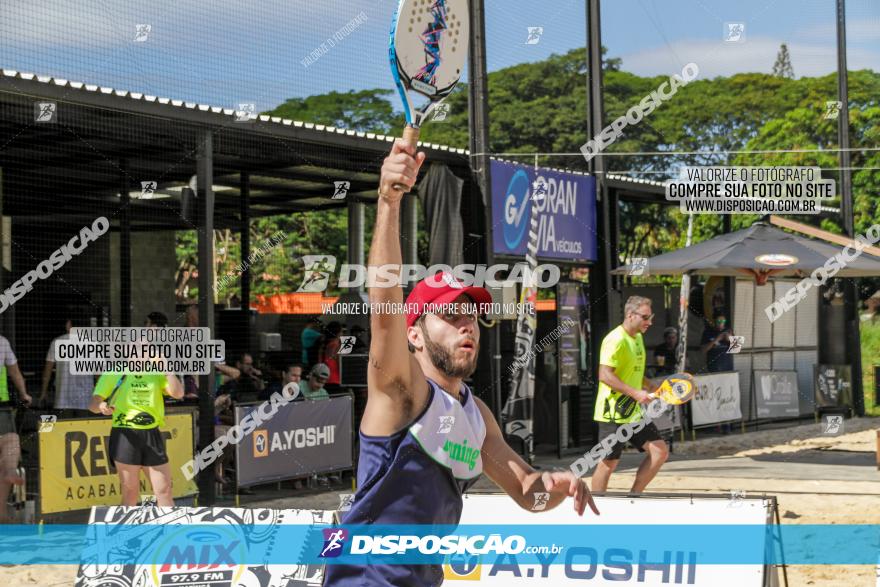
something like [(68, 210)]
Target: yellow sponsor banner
[(76, 473)]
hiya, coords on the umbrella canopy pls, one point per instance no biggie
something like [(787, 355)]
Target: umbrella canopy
[(759, 250)]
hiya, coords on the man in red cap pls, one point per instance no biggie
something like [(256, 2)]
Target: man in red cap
[(425, 438)]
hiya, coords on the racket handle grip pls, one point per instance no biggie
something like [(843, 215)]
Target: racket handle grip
[(411, 138), (411, 135)]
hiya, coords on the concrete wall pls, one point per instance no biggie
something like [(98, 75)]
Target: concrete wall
[(153, 264)]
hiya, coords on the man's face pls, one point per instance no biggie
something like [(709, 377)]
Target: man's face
[(671, 339), (452, 340), (643, 318), (721, 323), (316, 382), (293, 375), (246, 364)]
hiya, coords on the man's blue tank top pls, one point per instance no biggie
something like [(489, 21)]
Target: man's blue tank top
[(415, 476)]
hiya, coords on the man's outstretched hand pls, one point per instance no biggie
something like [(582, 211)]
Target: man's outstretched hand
[(400, 168), (567, 483)]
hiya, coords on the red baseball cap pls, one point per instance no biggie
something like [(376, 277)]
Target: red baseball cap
[(442, 288)]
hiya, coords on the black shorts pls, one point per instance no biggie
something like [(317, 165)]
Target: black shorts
[(132, 446), (638, 440)]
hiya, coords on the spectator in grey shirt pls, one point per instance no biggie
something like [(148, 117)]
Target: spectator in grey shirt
[(72, 392)]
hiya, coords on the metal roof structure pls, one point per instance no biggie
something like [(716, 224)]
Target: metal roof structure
[(104, 140)]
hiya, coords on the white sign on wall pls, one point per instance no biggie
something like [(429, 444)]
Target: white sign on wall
[(717, 399), (598, 566)]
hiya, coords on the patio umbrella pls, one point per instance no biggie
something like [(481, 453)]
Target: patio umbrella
[(760, 250)]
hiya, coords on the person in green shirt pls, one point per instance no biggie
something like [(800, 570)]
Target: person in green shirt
[(622, 388), (313, 387), (137, 405)]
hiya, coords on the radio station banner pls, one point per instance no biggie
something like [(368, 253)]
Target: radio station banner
[(76, 473), (196, 555), (717, 399), (302, 438), (612, 567), (833, 385), (566, 204), (776, 394)]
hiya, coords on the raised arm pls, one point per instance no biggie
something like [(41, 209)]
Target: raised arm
[(534, 491), (392, 371)]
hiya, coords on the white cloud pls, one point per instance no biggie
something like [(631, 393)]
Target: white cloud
[(717, 58)]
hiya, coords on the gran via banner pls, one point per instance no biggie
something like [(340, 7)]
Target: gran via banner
[(565, 205)]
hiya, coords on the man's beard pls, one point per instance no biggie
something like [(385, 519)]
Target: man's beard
[(442, 359)]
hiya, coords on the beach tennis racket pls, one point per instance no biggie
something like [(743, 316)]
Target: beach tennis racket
[(428, 48), (115, 389), (676, 389)]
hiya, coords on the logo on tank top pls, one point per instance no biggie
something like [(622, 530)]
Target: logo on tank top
[(462, 453)]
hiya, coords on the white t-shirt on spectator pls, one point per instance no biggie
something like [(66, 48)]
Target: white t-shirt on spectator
[(72, 392)]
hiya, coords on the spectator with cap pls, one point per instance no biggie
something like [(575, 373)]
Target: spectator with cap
[(313, 387), (664, 353)]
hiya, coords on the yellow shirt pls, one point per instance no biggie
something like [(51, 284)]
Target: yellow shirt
[(626, 355)]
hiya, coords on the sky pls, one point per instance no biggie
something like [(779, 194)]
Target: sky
[(224, 52)]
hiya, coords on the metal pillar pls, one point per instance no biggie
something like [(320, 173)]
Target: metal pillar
[(124, 246), (356, 235), (600, 285), (409, 222), (478, 107), (245, 235), (205, 206), (850, 294)]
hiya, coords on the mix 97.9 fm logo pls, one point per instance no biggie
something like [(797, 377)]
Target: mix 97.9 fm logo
[(193, 557), (462, 567)]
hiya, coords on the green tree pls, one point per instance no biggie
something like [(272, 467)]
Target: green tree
[(364, 110)]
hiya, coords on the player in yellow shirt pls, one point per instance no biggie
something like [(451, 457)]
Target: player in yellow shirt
[(622, 388), (136, 403)]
